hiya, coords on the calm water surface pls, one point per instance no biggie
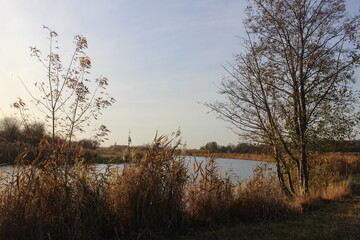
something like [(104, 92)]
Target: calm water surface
[(236, 168)]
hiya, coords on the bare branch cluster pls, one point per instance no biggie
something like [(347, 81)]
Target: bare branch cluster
[(68, 98)]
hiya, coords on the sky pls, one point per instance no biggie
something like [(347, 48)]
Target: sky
[(163, 58)]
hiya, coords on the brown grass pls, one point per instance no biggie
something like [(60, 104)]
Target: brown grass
[(149, 195), (344, 163), (261, 197), (211, 197), (52, 202), (333, 220), (52, 199)]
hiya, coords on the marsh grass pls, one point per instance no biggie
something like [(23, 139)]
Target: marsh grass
[(211, 196), (261, 197), (148, 195), (344, 163), (54, 198)]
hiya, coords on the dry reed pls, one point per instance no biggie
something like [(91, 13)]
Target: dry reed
[(344, 163), (55, 199)]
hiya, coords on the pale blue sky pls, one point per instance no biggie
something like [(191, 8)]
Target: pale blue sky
[(161, 56)]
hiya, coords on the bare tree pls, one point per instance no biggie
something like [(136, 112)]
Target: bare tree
[(293, 83), (68, 98)]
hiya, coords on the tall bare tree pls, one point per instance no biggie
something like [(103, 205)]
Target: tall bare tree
[(293, 83), (68, 98)]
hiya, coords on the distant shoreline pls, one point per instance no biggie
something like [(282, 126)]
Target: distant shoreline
[(239, 156)]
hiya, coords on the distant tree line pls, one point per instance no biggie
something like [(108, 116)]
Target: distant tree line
[(16, 136), (12, 131), (321, 146), (239, 148), (326, 145)]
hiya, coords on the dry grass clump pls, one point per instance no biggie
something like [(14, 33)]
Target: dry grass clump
[(344, 163), (325, 183), (261, 197), (53, 201), (214, 199), (333, 191), (211, 197), (148, 195), (337, 190)]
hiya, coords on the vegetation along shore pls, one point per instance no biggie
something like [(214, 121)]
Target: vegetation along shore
[(288, 96)]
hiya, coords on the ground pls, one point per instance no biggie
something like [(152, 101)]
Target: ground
[(332, 220)]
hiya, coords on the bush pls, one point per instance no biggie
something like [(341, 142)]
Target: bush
[(9, 152)]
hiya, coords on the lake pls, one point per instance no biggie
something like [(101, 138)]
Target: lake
[(235, 167)]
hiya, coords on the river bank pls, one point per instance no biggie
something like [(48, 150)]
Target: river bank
[(239, 156), (342, 162)]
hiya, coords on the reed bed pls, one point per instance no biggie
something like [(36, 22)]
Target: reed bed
[(344, 163), (55, 199), (148, 196)]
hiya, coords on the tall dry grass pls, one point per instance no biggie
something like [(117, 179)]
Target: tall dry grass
[(215, 199), (53, 202), (53, 199), (211, 196), (344, 163), (261, 197), (326, 182), (148, 195)]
